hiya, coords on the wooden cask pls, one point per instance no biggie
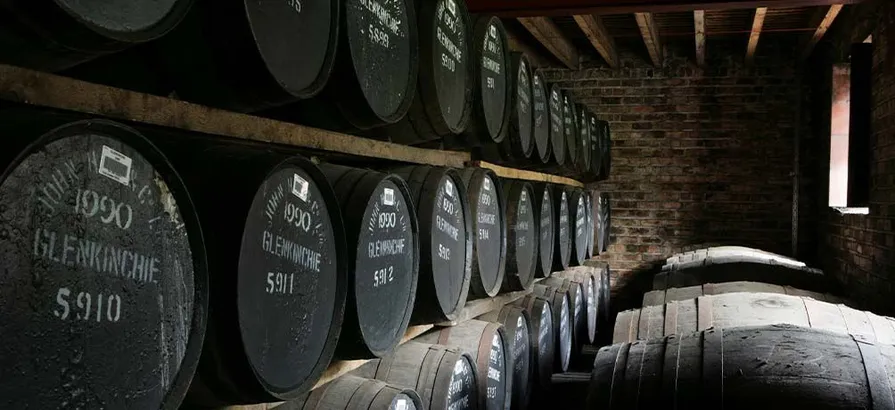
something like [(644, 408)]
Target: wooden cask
[(604, 273), (583, 141), (562, 250), (749, 309), (543, 194), (104, 284), (517, 147), (517, 325), (578, 226), (522, 236), (541, 338), (722, 254), (489, 248), (351, 392), (605, 222), (570, 131), (382, 233), (561, 304), (605, 150), (249, 56), (444, 377), (749, 269), (660, 297), (590, 280), (490, 348), (589, 227), (55, 35), (442, 105), (578, 307), (595, 133), (557, 125), (770, 367), (445, 221), (540, 120)]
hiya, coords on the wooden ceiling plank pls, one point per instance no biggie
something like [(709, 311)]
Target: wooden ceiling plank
[(699, 25), (650, 33), (540, 8), (825, 24), (535, 57), (596, 33), (757, 24), (543, 29)]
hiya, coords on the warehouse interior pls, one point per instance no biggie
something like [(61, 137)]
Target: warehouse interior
[(447, 205)]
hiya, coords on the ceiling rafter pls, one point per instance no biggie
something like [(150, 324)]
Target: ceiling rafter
[(822, 28), (757, 24), (599, 37), (699, 25), (545, 31), (650, 33)]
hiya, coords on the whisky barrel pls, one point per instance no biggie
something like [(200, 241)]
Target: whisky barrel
[(660, 297), (605, 150), (592, 284), (492, 84), (778, 367), (522, 236), (570, 131), (382, 233), (583, 140), (352, 392), (724, 254), (55, 35), (266, 265), (376, 66), (490, 348), (595, 132), (443, 102), (739, 268), (541, 337), (578, 210), (561, 303), (517, 325), (749, 309), (605, 222), (557, 125), (562, 254), (248, 55), (603, 273), (444, 377), (489, 248), (589, 227), (578, 310), (518, 146), (544, 211), (104, 283), (445, 239), (540, 120)]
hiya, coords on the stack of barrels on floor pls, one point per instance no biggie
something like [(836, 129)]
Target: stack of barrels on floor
[(418, 73), (736, 327), (238, 279)]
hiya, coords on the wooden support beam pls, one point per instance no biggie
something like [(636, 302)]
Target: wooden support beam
[(543, 29), (699, 25), (593, 28), (822, 28), (757, 24), (535, 57), (650, 33), (540, 8)]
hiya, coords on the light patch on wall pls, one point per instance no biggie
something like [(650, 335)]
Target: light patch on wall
[(839, 136)]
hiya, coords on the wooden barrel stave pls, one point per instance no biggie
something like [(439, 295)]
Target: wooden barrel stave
[(541, 337), (487, 207), (351, 392), (522, 236), (516, 322), (562, 322), (562, 254), (540, 121), (658, 297), (544, 212)]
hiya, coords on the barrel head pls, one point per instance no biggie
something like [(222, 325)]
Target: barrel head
[(540, 118), (493, 81)]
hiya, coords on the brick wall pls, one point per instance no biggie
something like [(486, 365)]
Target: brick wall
[(859, 250), (701, 156)]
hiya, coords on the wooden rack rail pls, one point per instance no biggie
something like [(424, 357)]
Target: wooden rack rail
[(40, 89)]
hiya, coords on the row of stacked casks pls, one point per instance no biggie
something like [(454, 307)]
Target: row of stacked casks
[(412, 72), (734, 327), (134, 258)]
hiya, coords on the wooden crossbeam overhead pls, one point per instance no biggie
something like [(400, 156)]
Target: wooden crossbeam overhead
[(757, 23), (535, 57), (650, 33), (596, 33), (543, 29), (529, 8), (699, 25), (822, 28)]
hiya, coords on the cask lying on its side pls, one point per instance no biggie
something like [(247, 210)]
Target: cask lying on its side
[(445, 239), (352, 392), (489, 346), (491, 87), (55, 35), (590, 280), (444, 377), (540, 121), (578, 226), (517, 325), (483, 189), (382, 233), (103, 259), (543, 201), (577, 304), (660, 297), (541, 338), (557, 125), (749, 309), (561, 304), (522, 236), (562, 254), (517, 147), (776, 367)]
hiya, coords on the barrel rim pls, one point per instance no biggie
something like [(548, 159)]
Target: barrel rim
[(426, 87), (559, 152), (545, 156), (167, 23), (467, 263), (513, 189), (480, 27), (477, 175), (514, 137), (571, 149), (133, 138), (339, 240), (545, 268)]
